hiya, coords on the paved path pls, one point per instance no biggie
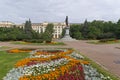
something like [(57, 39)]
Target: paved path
[(107, 55)]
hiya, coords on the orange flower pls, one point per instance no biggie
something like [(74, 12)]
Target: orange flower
[(52, 75), (25, 61), (18, 50)]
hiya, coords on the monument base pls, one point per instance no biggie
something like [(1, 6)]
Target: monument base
[(67, 36)]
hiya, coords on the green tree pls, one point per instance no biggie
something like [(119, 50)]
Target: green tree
[(48, 34), (78, 35), (94, 32), (75, 31), (63, 32), (85, 30), (28, 29), (117, 29)]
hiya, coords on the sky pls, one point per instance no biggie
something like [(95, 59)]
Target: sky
[(18, 11)]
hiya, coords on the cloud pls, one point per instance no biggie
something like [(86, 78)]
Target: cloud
[(56, 10)]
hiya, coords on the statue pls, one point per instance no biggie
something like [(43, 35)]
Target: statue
[(67, 29), (66, 21)]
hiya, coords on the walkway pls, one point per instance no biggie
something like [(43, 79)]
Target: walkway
[(106, 55)]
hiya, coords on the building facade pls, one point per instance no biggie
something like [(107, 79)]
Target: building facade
[(40, 27), (6, 24)]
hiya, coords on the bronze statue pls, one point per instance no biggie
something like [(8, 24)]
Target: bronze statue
[(66, 21)]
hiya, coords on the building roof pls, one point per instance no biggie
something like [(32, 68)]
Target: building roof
[(7, 22), (46, 23)]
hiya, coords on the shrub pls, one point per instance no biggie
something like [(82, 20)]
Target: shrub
[(34, 40), (107, 40)]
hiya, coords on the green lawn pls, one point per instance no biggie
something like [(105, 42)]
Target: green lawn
[(7, 61), (4, 47), (26, 43), (98, 42)]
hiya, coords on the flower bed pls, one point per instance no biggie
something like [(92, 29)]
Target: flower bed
[(19, 50), (53, 65)]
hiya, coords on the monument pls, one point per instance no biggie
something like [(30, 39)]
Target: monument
[(67, 29)]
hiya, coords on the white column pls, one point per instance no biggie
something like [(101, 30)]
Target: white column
[(54, 35), (57, 32), (60, 30)]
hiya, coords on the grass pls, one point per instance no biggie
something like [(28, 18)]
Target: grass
[(27, 43), (7, 61), (97, 42), (4, 47), (100, 68)]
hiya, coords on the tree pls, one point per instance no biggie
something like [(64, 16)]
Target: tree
[(85, 29), (28, 29), (78, 35), (49, 29), (48, 34), (63, 32), (117, 29), (94, 32), (75, 31)]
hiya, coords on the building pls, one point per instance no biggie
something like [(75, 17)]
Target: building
[(6, 24), (40, 27)]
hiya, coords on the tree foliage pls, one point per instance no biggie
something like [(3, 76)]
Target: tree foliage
[(63, 33), (85, 29), (26, 34), (43, 36), (88, 30), (75, 31), (48, 34), (96, 30)]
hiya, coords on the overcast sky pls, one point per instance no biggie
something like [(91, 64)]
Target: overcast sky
[(55, 10)]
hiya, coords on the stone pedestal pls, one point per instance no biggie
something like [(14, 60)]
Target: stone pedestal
[(67, 35)]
